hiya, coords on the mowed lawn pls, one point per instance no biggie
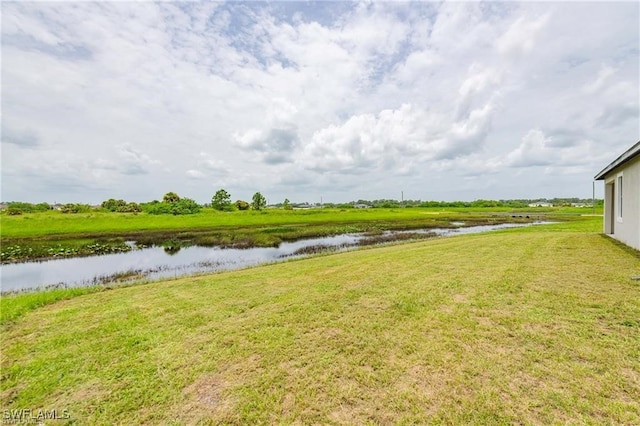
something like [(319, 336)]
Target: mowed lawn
[(535, 326)]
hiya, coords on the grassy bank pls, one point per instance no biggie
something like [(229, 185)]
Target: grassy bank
[(521, 326)]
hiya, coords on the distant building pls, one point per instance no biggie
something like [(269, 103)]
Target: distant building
[(622, 197), (302, 206), (541, 204)]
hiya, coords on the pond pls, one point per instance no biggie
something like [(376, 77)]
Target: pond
[(155, 263)]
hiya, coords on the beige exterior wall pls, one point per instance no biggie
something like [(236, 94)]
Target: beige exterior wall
[(622, 222)]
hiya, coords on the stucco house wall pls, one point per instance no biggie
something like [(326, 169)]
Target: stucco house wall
[(622, 198)]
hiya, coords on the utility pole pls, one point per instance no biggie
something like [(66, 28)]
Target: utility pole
[(593, 197)]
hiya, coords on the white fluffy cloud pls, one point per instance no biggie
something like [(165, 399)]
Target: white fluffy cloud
[(521, 36), (340, 100)]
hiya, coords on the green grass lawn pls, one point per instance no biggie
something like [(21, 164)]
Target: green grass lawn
[(529, 326)]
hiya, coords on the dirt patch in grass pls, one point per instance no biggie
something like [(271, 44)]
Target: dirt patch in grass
[(205, 398), (207, 394)]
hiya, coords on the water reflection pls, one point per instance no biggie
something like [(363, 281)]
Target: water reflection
[(171, 250)]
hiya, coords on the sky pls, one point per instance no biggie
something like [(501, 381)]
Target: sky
[(311, 101)]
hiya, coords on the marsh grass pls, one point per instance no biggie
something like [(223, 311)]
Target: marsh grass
[(528, 326), (102, 224), (52, 234), (46, 236)]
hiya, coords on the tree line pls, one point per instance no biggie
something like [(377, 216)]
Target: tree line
[(172, 203), (517, 203)]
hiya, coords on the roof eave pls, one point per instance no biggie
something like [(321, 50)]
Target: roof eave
[(626, 156)]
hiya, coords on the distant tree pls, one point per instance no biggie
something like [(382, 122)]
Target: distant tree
[(156, 207), (42, 207), (171, 197), (184, 206), (113, 205), (287, 204), (22, 207), (258, 202), (221, 200), (75, 208), (484, 203), (17, 208), (242, 205), (388, 204), (121, 206), (129, 208)]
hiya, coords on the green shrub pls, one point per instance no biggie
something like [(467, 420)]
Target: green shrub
[(129, 208), (242, 205), (181, 207), (27, 207), (75, 208), (113, 205)]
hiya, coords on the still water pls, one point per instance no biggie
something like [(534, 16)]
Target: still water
[(156, 263)]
